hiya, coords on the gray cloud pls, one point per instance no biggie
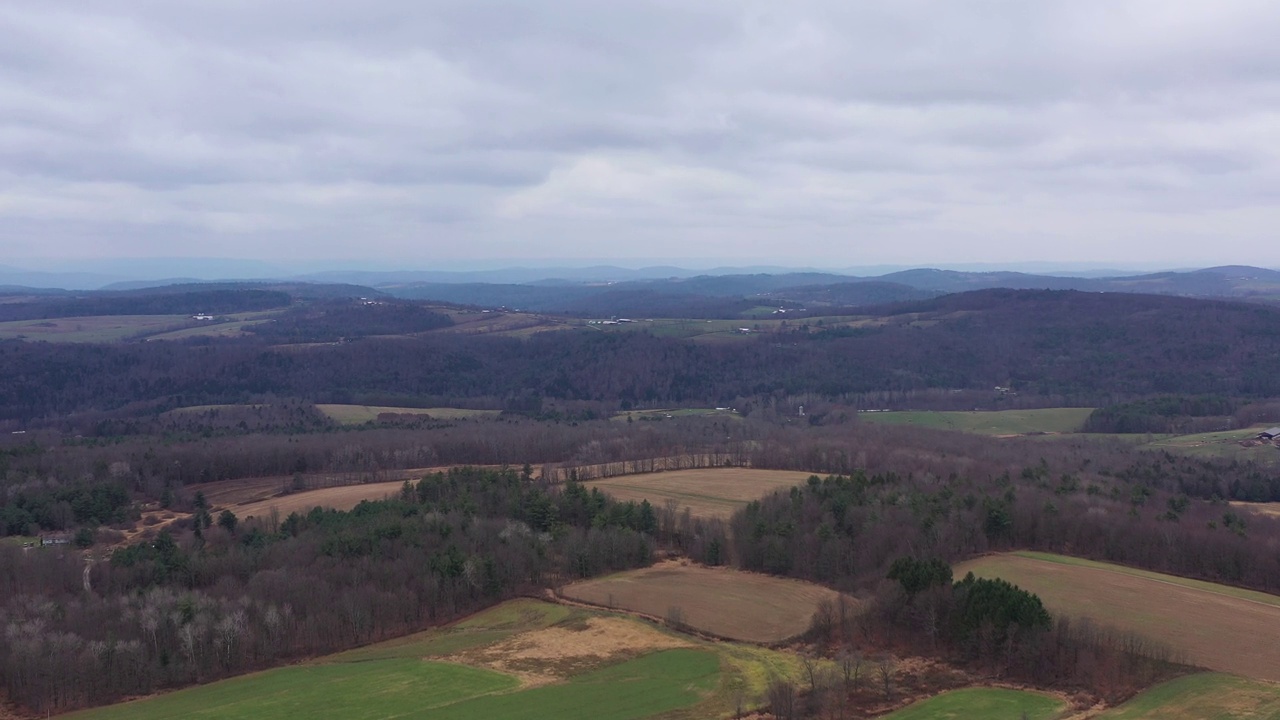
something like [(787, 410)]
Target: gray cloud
[(811, 132)]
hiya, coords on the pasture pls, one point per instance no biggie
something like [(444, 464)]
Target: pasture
[(982, 703), (95, 329), (522, 659), (721, 601), (712, 492), (987, 422), (1205, 696), (360, 414), (1214, 626), (1227, 444)]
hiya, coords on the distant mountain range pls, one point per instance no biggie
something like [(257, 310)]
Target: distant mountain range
[(670, 291), (829, 289)]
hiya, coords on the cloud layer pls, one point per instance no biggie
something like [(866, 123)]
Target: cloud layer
[(813, 132)]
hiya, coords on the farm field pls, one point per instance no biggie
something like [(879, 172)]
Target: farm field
[(234, 328), (1230, 444), (360, 414), (702, 329), (1215, 626), (343, 497), (503, 323), (721, 601), (712, 492), (671, 413), (95, 329), (337, 490), (1205, 696), (992, 422), (982, 703), (522, 659)]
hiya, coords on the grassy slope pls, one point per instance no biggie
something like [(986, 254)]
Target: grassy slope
[(982, 703), (395, 679), (1206, 696), (374, 689), (997, 422)]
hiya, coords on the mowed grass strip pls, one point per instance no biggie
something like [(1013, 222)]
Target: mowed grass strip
[(1205, 696), (712, 492), (987, 422), (982, 704), (724, 602), (360, 414), (1217, 627)]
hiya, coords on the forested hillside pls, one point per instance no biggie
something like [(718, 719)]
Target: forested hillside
[(1063, 347)]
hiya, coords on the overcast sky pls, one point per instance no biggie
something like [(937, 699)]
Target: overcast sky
[(411, 133)]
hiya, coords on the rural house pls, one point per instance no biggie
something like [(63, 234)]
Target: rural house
[(1269, 433)]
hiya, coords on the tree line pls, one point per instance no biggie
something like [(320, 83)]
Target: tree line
[(231, 596)]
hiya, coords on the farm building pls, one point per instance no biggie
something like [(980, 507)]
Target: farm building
[(55, 538), (1269, 433)]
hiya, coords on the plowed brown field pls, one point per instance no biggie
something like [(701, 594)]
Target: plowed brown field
[(1217, 627), (715, 492), (721, 601)]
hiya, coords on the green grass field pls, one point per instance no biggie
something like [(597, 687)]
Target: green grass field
[(994, 422), (639, 688), (364, 690), (360, 414), (982, 704), (422, 676), (1206, 696)]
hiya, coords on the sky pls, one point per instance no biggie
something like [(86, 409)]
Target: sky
[(819, 133)]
